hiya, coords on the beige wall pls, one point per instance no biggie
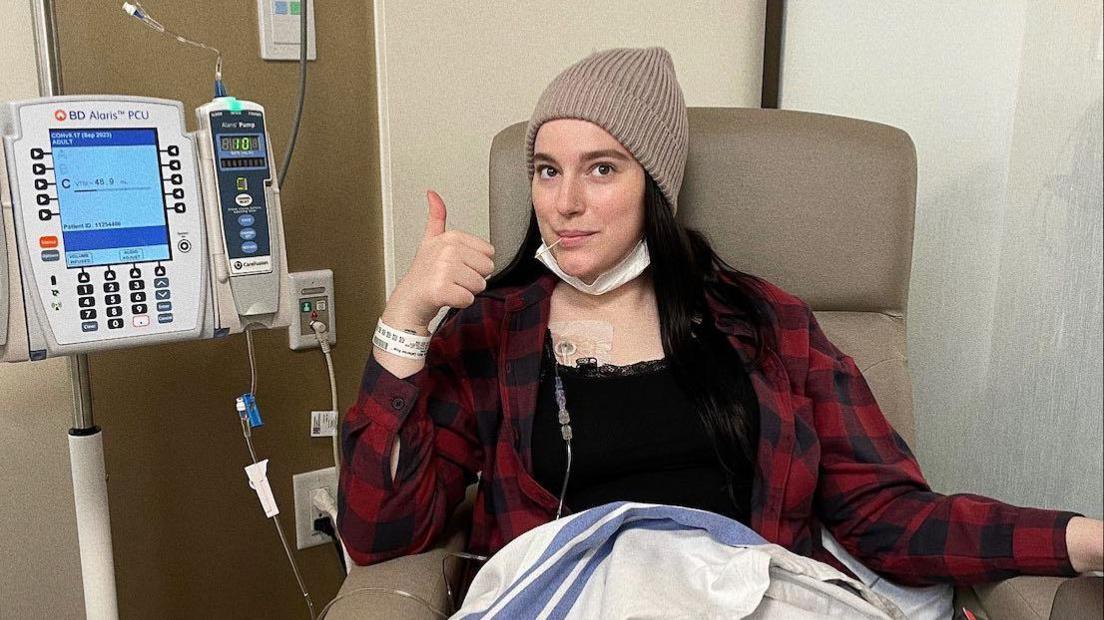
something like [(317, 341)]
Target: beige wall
[(39, 563), (453, 74), (1002, 99), (190, 539)]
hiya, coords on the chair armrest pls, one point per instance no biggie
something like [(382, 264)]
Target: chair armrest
[(419, 574), (1036, 598), (1081, 597)]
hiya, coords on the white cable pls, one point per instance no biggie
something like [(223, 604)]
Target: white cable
[(320, 330)]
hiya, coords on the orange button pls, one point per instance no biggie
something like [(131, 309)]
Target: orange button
[(48, 241)]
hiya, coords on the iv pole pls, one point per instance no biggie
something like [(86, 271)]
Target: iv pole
[(86, 454)]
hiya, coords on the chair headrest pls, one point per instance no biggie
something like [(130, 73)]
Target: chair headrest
[(820, 205)]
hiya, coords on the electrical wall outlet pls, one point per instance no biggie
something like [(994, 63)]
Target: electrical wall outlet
[(305, 512), (312, 295)]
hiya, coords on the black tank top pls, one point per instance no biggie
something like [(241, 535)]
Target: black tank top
[(636, 438)]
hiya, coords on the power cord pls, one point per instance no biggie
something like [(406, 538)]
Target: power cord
[(319, 328), (321, 499), (302, 92), (326, 526)]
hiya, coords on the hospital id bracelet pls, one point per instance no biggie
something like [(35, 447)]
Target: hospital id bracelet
[(400, 343)]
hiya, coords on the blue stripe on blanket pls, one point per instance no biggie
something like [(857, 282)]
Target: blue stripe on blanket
[(539, 591)]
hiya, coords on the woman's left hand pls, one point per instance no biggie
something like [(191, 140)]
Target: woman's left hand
[(1085, 542)]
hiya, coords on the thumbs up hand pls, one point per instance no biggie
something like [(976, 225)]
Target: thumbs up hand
[(449, 269)]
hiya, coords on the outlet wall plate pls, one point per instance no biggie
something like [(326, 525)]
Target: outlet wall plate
[(278, 25), (305, 512), (311, 297)]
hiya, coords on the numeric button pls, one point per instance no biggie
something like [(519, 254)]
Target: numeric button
[(111, 287), (114, 323), (84, 289), (113, 300), (87, 314), (115, 311), (86, 302), (138, 296)]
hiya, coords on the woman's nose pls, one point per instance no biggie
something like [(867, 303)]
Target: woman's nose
[(569, 200)]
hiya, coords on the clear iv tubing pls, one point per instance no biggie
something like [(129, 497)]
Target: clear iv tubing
[(279, 528), (565, 431), (377, 590), (139, 12), (247, 433), (252, 364)]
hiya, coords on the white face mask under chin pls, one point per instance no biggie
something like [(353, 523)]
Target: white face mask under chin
[(629, 268)]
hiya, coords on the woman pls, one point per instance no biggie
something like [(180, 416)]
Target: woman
[(621, 337)]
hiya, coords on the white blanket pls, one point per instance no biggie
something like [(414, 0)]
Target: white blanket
[(627, 560)]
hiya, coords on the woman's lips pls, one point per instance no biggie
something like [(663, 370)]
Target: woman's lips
[(574, 240)]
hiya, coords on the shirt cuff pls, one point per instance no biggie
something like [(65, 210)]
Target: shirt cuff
[(393, 396), (1039, 542)]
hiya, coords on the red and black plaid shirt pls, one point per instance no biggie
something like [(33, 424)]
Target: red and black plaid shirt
[(827, 456)]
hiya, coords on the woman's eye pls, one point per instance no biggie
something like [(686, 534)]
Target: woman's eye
[(546, 172), (604, 169)]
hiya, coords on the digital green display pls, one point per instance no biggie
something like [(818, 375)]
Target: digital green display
[(237, 144)]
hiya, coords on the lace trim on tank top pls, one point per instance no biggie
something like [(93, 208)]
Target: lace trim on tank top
[(588, 367)]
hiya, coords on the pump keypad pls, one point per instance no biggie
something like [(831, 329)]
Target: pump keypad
[(112, 299)]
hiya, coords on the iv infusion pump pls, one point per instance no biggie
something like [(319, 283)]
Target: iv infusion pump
[(122, 229)]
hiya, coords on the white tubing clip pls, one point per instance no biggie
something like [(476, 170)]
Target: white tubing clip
[(258, 481)]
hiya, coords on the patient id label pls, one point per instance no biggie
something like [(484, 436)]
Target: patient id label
[(323, 423)]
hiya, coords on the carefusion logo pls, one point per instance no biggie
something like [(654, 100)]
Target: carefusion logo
[(60, 115)]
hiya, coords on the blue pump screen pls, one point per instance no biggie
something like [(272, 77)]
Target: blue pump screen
[(110, 196)]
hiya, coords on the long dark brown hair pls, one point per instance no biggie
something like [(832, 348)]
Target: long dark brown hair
[(685, 270)]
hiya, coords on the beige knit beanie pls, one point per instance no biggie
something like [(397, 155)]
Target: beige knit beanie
[(634, 95)]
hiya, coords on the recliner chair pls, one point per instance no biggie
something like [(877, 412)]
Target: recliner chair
[(819, 205)]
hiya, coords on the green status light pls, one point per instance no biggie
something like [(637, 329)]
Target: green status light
[(235, 105), (305, 306)]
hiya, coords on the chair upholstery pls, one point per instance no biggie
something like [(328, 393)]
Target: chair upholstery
[(819, 205)]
